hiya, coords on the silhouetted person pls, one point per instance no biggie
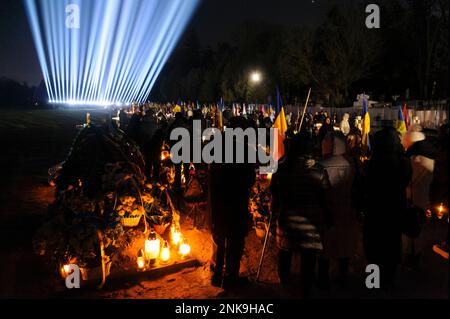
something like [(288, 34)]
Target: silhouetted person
[(179, 122), (340, 239), (299, 190), (123, 119), (387, 176), (229, 186), (439, 185), (327, 127)]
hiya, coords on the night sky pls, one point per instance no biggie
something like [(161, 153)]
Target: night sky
[(213, 22)]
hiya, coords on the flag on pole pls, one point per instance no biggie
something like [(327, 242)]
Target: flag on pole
[(365, 126), (281, 126), (401, 124), (279, 101), (221, 104), (219, 119), (405, 116)]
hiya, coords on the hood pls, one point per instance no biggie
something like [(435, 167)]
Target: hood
[(387, 142)]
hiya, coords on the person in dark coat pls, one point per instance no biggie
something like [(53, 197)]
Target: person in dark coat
[(388, 173), (132, 130), (340, 239), (327, 127), (439, 185), (123, 119), (179, 122), (299, 189), (229, 187)]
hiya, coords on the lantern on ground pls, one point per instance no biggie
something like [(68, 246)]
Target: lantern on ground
[(65, 271), (141, 260), (165, 253), (440, 211), (152, 247), (175, 235), (165, 155), (185, 249)]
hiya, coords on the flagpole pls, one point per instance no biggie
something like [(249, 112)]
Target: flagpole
[(304, 110), (266, 239)]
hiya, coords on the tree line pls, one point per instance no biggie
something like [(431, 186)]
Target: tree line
[(407, 57)]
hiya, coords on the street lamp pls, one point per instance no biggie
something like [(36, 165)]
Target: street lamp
[(255, 77)]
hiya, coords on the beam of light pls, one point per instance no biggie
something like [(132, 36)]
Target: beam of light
[(116, 54)]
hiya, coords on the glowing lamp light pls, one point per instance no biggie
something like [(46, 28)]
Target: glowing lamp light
[(165, 253), (175, 235), (440, 211), (152, 247), (255, 77), (65, 271), (165, 155), (141, 260), (185, 249)]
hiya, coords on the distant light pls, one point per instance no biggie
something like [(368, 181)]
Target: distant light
[(85, 103), (256, 77)]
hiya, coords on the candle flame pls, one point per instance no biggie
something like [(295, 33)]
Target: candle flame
[(152, 247), (185, 249), (141, 262)]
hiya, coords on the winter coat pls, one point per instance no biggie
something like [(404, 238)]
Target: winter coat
[(345, 125), (229, 187), (340, 239), (439, 186), (387, 176), (422, 157), (299, 189)]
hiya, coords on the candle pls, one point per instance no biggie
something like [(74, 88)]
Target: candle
[(176, 235), (65, 271), (185, 249), (165, 155), (152, 247), (440, 211), (165, 253), (141, 260)]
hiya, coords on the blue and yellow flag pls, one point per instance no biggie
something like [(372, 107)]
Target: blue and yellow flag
[(401, 124), (279, 101), (365, 126)]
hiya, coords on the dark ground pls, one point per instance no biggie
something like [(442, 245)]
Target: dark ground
[(33, 141)]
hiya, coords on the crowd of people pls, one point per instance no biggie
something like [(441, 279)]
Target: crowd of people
[(325, 190)]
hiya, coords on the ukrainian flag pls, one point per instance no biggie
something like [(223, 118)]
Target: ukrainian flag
[(401, 124), (365, 127)]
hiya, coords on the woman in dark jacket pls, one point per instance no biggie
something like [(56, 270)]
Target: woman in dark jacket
[(299, 189), (387, 176), (229, 190)]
